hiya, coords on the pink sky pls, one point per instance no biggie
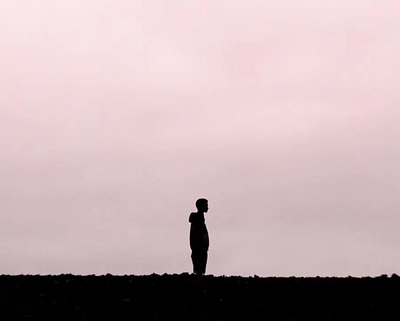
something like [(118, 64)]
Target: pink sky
[(116, 115)]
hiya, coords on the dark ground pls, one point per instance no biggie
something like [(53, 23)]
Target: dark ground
[(187, 297)]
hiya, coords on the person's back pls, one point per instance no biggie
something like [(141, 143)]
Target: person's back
[(199, 240)]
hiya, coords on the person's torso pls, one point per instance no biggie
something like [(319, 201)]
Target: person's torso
[(198, 231)]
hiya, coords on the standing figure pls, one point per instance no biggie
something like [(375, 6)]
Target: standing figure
[(199, 240)]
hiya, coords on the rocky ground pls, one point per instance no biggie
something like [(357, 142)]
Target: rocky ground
[(188, 297)]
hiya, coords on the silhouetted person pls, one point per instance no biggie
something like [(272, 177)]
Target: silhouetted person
[(199, 240)]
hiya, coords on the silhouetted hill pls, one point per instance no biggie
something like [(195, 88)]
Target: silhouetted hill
[(188, 297)]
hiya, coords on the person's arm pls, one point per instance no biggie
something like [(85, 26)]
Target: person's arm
[(206, 240)]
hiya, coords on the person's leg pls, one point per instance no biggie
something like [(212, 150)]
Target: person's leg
[(203, 261), (199, 260), (195, 261)]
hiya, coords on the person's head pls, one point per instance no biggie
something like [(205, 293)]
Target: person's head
[(202, 205)]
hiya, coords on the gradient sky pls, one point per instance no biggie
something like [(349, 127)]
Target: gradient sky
[(116, 115)]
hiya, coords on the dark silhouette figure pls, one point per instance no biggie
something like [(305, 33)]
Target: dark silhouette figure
[(199, 240)]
